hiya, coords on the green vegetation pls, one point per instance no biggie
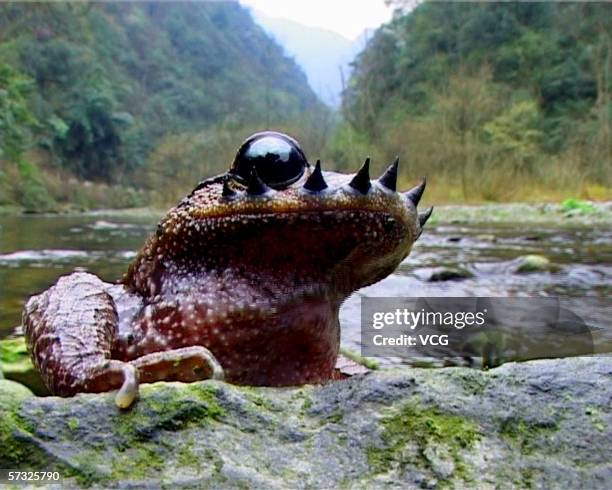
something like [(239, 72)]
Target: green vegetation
[(534, 263), (573, 205), (94, 96), (13, 351), (359, 359), (492, 101), (16, 365), (131, 104)]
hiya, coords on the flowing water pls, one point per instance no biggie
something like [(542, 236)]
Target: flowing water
[(36, 250)]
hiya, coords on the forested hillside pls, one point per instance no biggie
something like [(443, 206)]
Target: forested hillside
[(498, 101), (129, 104), (94, 92)]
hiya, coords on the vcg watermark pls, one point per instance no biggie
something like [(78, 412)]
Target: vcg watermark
[(494, 329)]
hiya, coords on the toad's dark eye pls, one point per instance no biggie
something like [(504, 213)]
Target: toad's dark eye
[(278, 159)]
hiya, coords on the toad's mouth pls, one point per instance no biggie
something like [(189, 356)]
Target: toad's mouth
[(301, 253)]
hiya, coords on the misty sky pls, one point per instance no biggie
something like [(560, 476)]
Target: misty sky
[(346, 17)]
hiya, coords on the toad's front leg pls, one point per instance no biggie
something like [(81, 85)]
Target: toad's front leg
[(70, 329)]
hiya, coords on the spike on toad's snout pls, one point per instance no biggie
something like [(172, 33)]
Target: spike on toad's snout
[(414, 195), (424, 216), (316, 182), (389, 179), (361, 181), (416, 192), (256, 186)]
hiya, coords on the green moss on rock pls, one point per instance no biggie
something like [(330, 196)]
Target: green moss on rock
[(473, 382), (260, 402), (14, 435), (18, 448), (525, 434), (138, 463), (594, 415), (14, 430), (186, 456), (336, 417), (162, 409), (84, 471), (535, 263), (73, 423), (408, 433), (11, 391), (307, 405)]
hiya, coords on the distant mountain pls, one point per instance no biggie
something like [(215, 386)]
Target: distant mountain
[(324, 55)]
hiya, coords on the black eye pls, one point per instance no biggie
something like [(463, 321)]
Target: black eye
[(278, 159)]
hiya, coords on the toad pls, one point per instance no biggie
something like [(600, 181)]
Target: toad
[(242, 280)]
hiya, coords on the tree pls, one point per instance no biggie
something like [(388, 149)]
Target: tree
[(16, 120)]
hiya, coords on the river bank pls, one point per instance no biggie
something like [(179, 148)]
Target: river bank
[(593, 211)]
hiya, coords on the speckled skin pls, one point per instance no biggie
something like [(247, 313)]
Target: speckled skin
[(256, 280)]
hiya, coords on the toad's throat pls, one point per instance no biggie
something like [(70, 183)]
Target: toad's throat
[(267, 342)]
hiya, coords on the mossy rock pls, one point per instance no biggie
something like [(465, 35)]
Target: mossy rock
[(450, 274), (11, 391), (437, 440), (485, 237), (520, 425), (527, 264)]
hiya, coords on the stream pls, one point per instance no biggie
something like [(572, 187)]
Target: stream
[(36, 250)]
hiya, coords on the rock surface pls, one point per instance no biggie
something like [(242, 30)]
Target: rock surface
[(526, 264), (541, 424), (450, 274)]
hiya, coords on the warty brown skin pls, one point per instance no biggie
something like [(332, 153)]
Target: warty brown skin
[(237, 286)]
